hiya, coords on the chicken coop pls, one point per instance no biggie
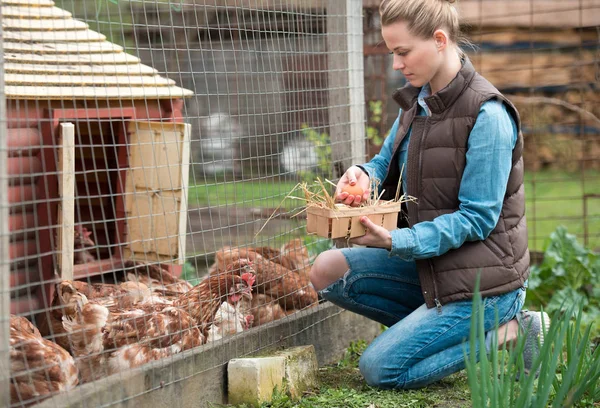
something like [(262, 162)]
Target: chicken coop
[(98, 155), (104, 222)]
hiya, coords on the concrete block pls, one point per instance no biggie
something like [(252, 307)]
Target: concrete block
[(253, 380), (301, 369)]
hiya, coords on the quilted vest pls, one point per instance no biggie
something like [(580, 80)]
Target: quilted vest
[(435, 164)]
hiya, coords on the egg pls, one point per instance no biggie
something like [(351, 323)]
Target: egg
[(355, 190)]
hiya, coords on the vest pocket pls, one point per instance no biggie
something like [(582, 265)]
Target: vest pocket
[(496, 248)]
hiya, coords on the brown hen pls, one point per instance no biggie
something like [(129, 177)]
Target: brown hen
[(105, 341), (119, 297), (204, 299), (291, 288), (39, 368)]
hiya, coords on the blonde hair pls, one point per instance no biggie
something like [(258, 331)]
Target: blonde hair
[(423, 17)]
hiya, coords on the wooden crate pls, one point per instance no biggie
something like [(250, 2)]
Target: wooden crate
[(344, 221)]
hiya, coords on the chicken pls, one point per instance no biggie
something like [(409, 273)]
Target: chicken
[(81, 244), (39, 368), (297, 255), (204, 299), (105, 342), (263, 308), (275, 255), (153, 276), (290, 288), (228, 320), (122, 296)]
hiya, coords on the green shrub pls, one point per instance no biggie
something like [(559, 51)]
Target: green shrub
[(568, 276)]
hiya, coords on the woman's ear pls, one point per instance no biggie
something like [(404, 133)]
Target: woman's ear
[(441, 39)]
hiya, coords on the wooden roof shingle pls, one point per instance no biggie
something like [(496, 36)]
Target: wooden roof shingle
[(49, 55)]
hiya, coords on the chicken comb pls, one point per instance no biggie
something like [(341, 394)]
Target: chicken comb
[(249, 278), (83, 231)]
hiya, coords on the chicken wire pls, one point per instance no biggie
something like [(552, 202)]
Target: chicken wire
[(276, 98), (148, 143)]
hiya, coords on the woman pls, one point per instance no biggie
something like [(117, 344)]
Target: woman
[(459, 142)]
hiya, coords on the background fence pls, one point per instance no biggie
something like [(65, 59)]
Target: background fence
[(138, 133)]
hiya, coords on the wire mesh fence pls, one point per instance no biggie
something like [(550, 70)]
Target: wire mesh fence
[(148, 142)]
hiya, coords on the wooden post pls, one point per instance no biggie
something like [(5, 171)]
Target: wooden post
[(4, 243), (346, 84), (185, 178), (66, 212)]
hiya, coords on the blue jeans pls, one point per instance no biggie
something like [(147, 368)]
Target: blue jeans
[(421, 345)]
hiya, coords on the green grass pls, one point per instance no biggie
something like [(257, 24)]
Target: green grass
[(266, 194), (557, 198)]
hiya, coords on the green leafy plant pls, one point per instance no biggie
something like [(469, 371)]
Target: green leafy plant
[(375, 115), (568, 276), (569, 370), (353, 353), (322, 143)]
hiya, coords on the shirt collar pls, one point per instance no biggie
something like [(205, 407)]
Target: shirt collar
[(424, 93)]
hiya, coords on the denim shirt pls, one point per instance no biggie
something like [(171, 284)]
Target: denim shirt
[(482, 187)]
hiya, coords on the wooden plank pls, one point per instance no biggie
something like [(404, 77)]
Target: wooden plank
[(508, 37), (24, 167), (323, 228), (63, 48), (340, 227), (538, 69), (54, 36), (23, 141), (139, 221), (42, 25), (66, 185), (530, 13), (165, 220), (345, 211), (183, 206), (167, 150), (121, 70), (108, 59), (87, 80), (13, 11), (31, 3), (142, 162)]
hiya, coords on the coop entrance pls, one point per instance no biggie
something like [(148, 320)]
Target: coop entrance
[(100, 165), (100, 156)]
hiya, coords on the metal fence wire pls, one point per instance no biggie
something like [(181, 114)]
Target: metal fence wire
[(144, 145)]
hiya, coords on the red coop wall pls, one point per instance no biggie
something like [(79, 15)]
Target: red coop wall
[(101, 166)]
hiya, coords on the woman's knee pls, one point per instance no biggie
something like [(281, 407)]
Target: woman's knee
[(327, 268), (373, 365)]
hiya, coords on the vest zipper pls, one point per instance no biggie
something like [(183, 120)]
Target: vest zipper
[(438, 306)]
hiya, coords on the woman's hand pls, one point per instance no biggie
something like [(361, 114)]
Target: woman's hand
[(353, 176), (376, 236)]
